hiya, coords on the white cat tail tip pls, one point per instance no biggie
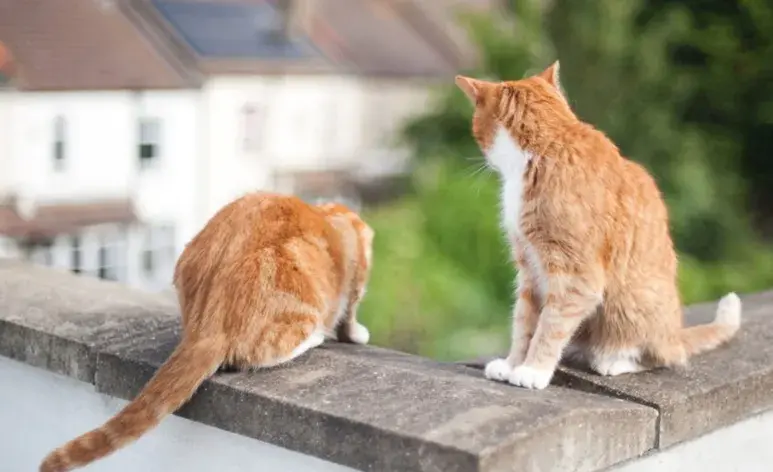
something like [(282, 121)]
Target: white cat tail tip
[(729, 311)]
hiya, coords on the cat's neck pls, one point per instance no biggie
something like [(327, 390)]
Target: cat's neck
[(538, 138)]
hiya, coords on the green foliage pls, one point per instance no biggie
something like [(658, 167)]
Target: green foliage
[(637, 94), (421, 301), (683, 87)]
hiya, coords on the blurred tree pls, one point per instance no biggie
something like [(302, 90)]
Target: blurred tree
[(621, 75), (726, 48), (682, 86), (452, 297)]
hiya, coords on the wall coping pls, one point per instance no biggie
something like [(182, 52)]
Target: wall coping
[(376, 409)]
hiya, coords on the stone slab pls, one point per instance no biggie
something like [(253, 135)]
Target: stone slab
[(718, 388), (55, 320), (365, 407), (379, 410)]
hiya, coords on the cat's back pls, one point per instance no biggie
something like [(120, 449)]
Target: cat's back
[(265, 219), (604, 166), (251, 225)]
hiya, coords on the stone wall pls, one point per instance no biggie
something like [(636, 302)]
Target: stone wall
[(374, 409)]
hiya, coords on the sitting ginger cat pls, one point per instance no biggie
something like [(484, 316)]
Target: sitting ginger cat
[(267, 279), (597, 271)]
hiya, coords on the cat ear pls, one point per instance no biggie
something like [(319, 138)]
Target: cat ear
[(551, 76), (471, 87)]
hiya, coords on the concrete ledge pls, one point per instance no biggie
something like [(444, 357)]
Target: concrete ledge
[(368, 408), (376, 409), (58, 321), (717, 389)]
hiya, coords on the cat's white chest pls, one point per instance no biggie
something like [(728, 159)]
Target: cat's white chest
[(511, 162), (512, 202)]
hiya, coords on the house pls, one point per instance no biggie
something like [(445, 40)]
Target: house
[(125, 124), (96, 142)]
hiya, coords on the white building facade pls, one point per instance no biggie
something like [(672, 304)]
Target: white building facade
[(114, 155), (74, 153)]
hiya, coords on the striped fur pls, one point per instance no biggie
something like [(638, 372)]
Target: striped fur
[(266, 279), (590, 237)]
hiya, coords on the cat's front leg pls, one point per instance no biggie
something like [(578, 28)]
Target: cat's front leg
[(525, 316), (569, 301)]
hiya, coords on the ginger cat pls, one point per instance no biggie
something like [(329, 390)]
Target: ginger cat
[(268, 278), (597, 270)]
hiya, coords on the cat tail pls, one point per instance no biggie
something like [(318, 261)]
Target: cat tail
[(727, 321), (174, 383)]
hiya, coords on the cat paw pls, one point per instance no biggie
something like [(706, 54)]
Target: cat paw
[(618, 367), (498, 369), (529, 377), (358, 333)]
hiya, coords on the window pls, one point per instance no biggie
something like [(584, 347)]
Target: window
[(40, 253), (75, 262), (111, 253), (158, 256), (107, 262), (253, 119), (331, 126), (150, 140), (60, 137)]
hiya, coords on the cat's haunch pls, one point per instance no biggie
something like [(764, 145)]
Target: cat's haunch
[(268, 278)]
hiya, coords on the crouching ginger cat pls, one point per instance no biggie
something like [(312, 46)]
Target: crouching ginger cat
[(267, 279), (597, 270)]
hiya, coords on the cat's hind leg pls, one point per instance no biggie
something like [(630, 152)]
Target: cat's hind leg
[(347, 328), (287, 337), (617, 362)]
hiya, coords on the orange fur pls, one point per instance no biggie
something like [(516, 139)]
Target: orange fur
[(589, 231), (267, 278)]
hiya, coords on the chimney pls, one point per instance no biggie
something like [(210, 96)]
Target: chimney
[(6, 64), (294, 17)]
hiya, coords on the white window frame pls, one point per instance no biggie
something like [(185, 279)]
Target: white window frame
[(112, 245), (76, 252), (253, 126), (42, 254), (59, 142), (157, 257), (149, 131)]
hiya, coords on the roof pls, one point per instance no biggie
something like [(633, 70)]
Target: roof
[(399, 38), (51, 220), (151, 44), (234, 30), (377, 40), (81, 44), (236, 36)]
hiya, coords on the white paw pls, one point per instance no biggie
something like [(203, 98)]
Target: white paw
[(359, 334), (619, 362), (529, 377), (729, 310), (316, 339), (618, 367), (498, 369)]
